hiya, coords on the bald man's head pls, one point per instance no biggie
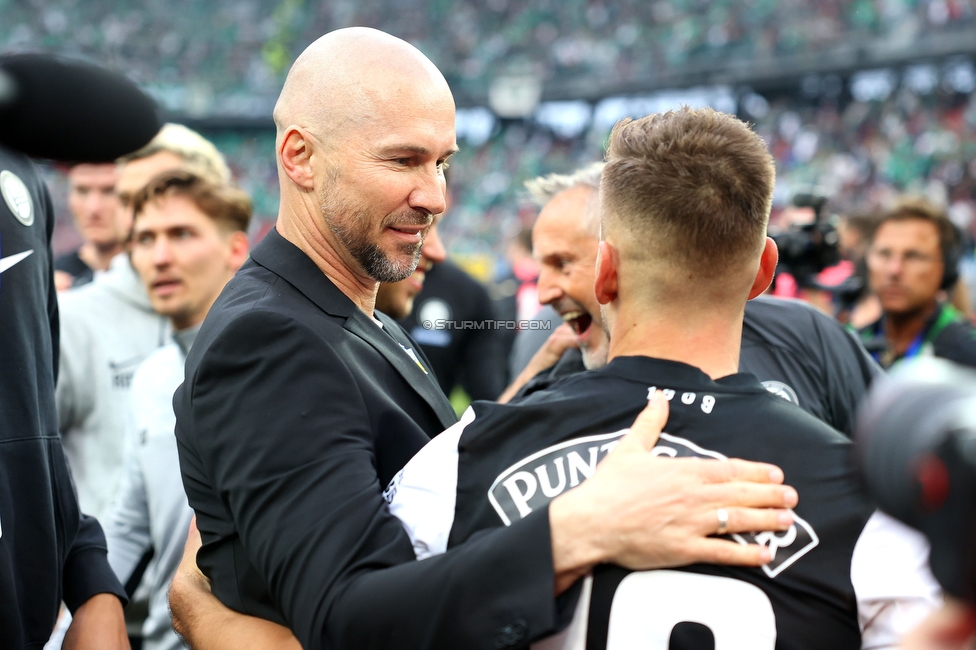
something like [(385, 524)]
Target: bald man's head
[(341, 78), (365, 126)]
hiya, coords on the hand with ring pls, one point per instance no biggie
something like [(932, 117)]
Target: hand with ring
[(723, 521)]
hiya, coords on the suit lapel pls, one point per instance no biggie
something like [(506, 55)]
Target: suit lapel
[(283, 258), (280, 256), (392, 344)]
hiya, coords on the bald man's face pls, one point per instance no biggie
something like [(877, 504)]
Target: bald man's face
[(382, 180)]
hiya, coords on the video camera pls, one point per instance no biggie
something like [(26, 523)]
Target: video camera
[(916, 444), (806, 249)]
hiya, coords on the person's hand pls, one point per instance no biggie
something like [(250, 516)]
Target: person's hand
[(561, 339), (98, 624), (643, 511), (207, 624), (953, 627), (63, 281), (189, 584)]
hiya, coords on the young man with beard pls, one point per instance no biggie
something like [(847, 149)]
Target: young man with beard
[(301, 403)]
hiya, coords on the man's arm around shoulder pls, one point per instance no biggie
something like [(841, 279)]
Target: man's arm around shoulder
[(289, 449), (501, 584)]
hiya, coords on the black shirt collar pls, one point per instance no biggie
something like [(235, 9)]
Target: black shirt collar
[(680, 375)]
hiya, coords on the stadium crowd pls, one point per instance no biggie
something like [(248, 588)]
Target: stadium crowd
[(176, 395), (229, 58)]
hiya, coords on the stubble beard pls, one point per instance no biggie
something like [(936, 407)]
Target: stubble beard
[(351, 229)]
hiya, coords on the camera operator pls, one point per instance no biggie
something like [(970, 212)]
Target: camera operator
[(808, 244), (912, 261)]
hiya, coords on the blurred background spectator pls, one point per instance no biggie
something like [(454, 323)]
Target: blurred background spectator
[(94, 206)]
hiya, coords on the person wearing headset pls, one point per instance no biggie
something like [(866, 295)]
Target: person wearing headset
[(912, 261)]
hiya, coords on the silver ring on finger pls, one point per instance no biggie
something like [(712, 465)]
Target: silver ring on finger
[(723, 520)]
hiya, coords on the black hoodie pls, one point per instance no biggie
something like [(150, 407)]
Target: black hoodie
[(49, 551)]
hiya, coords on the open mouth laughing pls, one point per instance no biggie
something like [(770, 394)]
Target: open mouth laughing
[(579, 320)]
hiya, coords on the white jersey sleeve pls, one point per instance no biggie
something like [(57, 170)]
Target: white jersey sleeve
[(423, 494), (895, 588)]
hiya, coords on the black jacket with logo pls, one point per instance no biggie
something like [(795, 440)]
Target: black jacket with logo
[(49, 551)]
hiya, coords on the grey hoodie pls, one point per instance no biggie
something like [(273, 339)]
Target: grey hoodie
[(150, 510), (107, 328)]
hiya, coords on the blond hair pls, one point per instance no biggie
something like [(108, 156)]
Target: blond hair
[(199, 153)]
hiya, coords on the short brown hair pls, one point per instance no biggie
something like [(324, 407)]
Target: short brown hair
[(692, 186), (914, 207), (228, 206)]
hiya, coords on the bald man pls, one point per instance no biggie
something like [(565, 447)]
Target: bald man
[(301, 403)]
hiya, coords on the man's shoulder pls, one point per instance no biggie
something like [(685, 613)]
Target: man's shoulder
[(242, 328), (90, 313), (164, 360), (101, 301), (735, 416), (781, 416), (514, 458), (257, 288), (71, 263), (254, 297), (259, 310), (807, 354), (956, 340), (790, 322), (460, 291), (81, 300)]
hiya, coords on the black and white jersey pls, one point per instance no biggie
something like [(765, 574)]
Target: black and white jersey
[(838, 572)]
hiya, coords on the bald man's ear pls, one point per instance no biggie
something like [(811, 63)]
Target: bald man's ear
[(296, 158), (607, 263), (767, 269)]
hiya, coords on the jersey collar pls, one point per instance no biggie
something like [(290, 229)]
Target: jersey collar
[(680, 375)]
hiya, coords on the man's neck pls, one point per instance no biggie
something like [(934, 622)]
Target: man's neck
[(185, 336), (98, 258), (710, 343), (359, 288), (900, 329)]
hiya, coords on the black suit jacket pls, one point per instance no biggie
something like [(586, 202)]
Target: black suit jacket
[(295, 413)]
